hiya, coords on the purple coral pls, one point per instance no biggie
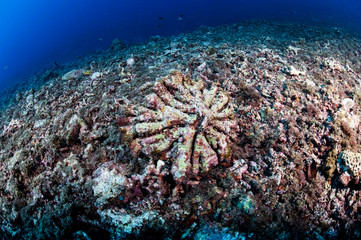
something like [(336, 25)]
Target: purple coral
[(184, 123)]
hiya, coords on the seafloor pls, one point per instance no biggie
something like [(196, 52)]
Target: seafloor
[(245, 131)]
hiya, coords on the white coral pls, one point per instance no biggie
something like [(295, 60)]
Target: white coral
[(130, 223), (350, 162), (109, 182)]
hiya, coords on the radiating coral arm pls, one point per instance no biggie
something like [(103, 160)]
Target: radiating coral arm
[(196, 157), (153, 101), (173, 116), (184, 95), (135, 146), (164, 94), (211, 137), (209, 95), (149, 128), (226, 127), (224, 151), (174, 80), (222, 148), (156, 147), (127, 132), (203, 152), (182, 158), (226, 113), (160, 143), (123, 120), (150, 116), (219, 102), (208, 156)]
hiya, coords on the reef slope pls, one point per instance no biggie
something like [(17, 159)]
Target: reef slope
[(245, 131)]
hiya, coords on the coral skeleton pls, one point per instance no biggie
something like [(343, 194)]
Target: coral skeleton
[(282, 124), (184, 123), (350, 162)]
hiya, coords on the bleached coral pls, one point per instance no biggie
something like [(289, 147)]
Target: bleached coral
[(184, 123), (131, 223), (350, 164), (72, 75), (109, 182)]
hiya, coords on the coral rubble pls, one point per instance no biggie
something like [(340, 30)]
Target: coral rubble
[(243, 131)]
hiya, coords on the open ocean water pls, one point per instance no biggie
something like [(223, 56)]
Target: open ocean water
[(180, 119), (35, 34)]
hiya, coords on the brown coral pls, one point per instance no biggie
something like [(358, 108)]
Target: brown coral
[(184, 123), (329, 166)]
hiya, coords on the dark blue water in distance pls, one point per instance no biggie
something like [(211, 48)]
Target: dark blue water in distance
[(35, 34)]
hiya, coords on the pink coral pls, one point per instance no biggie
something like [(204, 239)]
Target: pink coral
[(184, 123)]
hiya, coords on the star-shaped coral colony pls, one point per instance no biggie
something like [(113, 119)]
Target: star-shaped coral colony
[(184, 123)]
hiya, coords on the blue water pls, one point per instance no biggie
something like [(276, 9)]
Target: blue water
[(35, 34)]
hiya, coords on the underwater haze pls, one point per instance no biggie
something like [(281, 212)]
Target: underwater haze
[(36, 35)]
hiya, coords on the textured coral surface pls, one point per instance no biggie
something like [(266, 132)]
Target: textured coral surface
[(244, 131), (350, 162), (185, 123)]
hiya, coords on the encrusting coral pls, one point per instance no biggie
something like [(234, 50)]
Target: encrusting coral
[(184, 123), (349, 166)]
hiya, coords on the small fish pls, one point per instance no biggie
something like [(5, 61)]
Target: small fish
[(6, 67), (180, 17), (160, 18), (100, 39)]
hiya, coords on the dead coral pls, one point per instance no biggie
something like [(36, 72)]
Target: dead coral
[(329, 166), (13, 126), (350, 163), (297, 96), (184, 123)]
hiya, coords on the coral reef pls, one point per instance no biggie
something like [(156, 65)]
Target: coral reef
[(184, 123), (243, 131)]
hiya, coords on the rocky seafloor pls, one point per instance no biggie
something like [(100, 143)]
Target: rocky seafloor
[(245, 131)]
